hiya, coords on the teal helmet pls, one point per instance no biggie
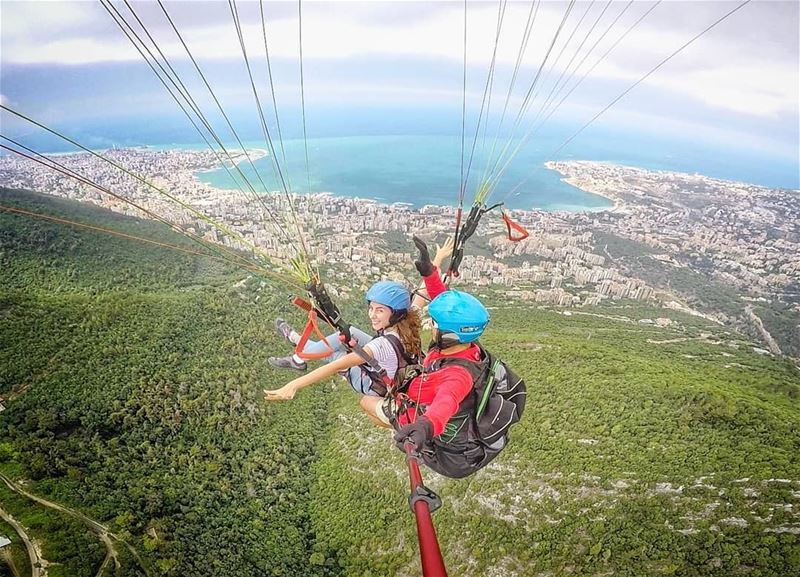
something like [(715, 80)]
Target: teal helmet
[(459, 314)]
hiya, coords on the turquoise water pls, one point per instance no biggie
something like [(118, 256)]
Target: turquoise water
[(417, 170), (422, 170)]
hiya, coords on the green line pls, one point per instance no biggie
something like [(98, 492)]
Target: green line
[(486, 392)]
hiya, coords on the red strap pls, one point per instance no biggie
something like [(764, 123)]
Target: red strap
[(311, 326), (511, 225), (298, 302)]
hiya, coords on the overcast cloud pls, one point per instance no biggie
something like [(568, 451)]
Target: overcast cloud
[(745, 68)]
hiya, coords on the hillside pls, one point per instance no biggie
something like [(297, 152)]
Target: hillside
[(133, 380)]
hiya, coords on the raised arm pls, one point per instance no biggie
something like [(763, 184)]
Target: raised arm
[(426, 267), (288, 391)]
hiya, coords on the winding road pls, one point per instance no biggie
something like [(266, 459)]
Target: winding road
[(102, 531), (33, 553)]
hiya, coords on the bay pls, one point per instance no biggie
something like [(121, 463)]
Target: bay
[(417, 170)]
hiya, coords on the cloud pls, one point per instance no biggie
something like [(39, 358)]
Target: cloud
[(747, 65), (330, 31), (753, 88), (766, 93), (24, 19), (719, 134), (732, 68)]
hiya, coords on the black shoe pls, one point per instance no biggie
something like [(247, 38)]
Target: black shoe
[(287, 363)]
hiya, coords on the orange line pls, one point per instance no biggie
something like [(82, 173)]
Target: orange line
[(123, 235), (57, 167)]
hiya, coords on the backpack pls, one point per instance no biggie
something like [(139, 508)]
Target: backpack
[(406, 366), (479, 430)]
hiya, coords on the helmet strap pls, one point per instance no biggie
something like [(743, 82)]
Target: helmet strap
[(446, 340), (397, 316)]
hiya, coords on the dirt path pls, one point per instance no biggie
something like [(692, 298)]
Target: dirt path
[(102, 531), (5, 557), (110, 555), (33, 552)]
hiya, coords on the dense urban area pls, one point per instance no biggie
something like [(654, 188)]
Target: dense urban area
[(720, 249)]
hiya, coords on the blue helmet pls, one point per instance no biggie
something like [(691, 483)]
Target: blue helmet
[(390, 294), (460, 314)]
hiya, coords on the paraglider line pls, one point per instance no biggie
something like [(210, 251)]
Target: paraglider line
[(655, 68), (60, 168)]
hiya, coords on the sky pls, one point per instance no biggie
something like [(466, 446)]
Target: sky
[(397, 67)]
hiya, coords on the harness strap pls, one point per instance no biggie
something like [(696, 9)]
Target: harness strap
[(381, 383), (399, 404), (312, 327), (475, 368), (400, 350)]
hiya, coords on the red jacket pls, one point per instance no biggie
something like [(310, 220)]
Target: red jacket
[(441, 391)]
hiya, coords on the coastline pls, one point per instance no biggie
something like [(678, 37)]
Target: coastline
[(575, 174), (415, 170), (254, 154), (553, 185), (555, 207), (619, 204)]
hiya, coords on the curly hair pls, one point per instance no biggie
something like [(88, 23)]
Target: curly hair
[(409, 330)]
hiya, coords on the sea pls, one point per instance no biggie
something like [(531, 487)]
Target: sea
[(416, 170), (427, 170)]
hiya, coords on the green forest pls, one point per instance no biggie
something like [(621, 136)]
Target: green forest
[(133, 380)]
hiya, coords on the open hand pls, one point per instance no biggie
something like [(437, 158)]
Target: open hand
[(285, 393), (443, 251)]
